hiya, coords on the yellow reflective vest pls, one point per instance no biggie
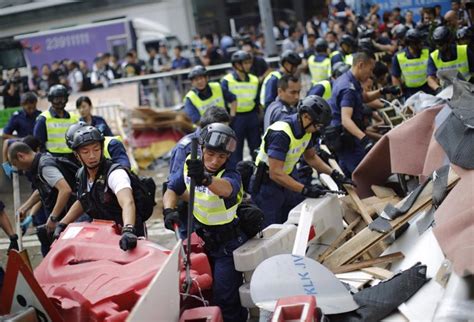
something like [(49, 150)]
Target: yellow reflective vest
[(319, 70), (414, 70), (245, 91), (461, 63), (56, 129), (327, 88), (347, 59), (296, 149), (278, 75), (216, 98), (209, 208)]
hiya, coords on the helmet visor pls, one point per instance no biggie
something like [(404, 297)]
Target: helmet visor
[(220, 141)]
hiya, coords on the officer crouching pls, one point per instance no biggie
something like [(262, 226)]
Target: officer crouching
[(218, 193), (104, 189)]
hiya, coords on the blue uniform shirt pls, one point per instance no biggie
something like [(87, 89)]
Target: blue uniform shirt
[(276, 111), (470, 58), (277, 143), (339, 57), (180, 151), (193, 112), (271, 90), (177, 184), (118, 154), (346, 92), (101, 125), (22, 123), (225, 86), (39, 130)]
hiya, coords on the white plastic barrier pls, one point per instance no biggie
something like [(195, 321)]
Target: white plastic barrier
[(245, 297), (277, 239), (327, 221)]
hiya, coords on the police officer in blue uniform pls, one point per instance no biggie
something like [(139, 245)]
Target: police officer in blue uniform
[(51, 125), (347, 110), (245, 118), (274, 187), (289, 62), (84, 106), (319, 64), (23, 122), (218, 193), (205, 94), (289, 87), (324, 88), (347, 46), (113, 147)]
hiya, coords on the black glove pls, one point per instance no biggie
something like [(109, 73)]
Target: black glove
[(13, 242), (59, 229), (313, 191), (340, 179), (438, 90), (394, 90), (171, 217), (196, 172), (129, 239), (367, 143), (325, 156)]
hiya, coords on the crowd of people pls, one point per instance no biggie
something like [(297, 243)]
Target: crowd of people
[(233, 198)]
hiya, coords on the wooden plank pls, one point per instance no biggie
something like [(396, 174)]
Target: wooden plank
[(378, 272), (383, 192), (366, 238), (339, 239), (368, 263)]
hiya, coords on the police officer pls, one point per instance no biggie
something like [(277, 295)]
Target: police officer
[(53, 187), (320, 63), (289, 62), (409, 66), (275, 190), (51, 125), (289, 87), (218, 194), (245, 119), (84, 106), (103, 192), (448, 56), (205, 94), (324, 88), (347, 109), (347, 46), (113, 147), (22, 122)]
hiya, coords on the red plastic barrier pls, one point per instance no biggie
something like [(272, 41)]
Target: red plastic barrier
[(301, 308), (89, 277), (202, 314)]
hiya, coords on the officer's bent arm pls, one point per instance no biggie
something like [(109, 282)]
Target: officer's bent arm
[(220, 187), (170, 199), (396, 81), (348, 123), (5, 224), (279, 176), (316, 162), (126, 202), (64, 192), (433, 82), (370, 96), (233, 108), (73, 213), (30, 202)]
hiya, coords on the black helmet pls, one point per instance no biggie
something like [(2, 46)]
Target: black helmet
[(321, 45), (348, 40), (290, 57), (442, 35), (219, 137), (317, 108), (86, 135), (197, 71), (413, 36), (367, 45), (71, 130), (339, 68), (399, 31), (57, 91), (240, 56)]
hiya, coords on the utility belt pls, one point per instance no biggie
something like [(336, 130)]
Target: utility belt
[(338, 139), (248, 112), (219, 235), (262, 176)]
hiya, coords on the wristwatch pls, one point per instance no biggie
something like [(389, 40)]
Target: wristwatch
[(54, 219)]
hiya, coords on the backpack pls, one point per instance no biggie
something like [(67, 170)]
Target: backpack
[(144, 189), (67, 168)]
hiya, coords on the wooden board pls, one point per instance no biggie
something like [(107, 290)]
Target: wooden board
[(365, 239), (378, 272), (368, 263), (382, 192)]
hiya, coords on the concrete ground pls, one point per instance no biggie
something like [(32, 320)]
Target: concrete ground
[(156, 230)]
